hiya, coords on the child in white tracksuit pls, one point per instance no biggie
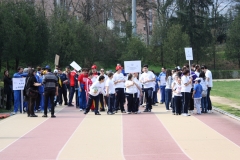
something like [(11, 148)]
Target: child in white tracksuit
[(197, 95)]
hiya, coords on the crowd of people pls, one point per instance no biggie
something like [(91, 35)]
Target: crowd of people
[(181, 89)]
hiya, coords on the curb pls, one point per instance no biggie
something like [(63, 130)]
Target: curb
[(226, 113)]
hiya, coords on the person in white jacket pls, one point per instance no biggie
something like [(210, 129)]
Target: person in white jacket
[(95, 89)]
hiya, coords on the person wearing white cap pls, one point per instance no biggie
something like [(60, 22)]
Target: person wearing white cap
[(197, 95)]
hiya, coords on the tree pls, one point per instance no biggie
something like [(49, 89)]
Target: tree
[(233, 41), (174, 45)]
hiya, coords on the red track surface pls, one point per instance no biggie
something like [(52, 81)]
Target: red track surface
[(45, 141), (139, 133), (224, 125)]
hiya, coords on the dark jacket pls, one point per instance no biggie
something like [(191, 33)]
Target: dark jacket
[(7, 85)]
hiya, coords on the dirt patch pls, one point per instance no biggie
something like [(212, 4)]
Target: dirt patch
[(225, 101)]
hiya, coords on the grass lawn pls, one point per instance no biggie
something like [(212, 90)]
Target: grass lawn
[(227, 89), (229, 109)]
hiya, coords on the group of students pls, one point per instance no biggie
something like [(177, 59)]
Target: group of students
[(114, 89), (187, 88), (180, 89)]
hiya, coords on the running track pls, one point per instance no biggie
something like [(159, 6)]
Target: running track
[(158, 135)]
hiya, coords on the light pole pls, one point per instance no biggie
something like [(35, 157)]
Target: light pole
[(134, 23)]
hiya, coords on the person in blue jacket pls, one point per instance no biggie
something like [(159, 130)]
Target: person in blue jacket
[(17, 93), (162, 80)]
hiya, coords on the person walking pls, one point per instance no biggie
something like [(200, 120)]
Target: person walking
[(110, 94), (119, 80), (147, 78), (50, 82), (197, 95), (186, 85), (95, 89), (63, 90), (168, 89), (17, 93), (31, 82), (208, 75), (8, 89), (162, 80)]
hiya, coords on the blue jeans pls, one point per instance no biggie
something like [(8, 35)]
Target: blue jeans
[(41, 102), (204, 104), (162, 91), (71, 94), (168, 97), (17, 100), (208, 99), (186, 100), (82, 99)]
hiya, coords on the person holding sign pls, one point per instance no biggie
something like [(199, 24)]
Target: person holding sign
[(17, 93), (147, 78), (119, 80), (186, 86), (162, 79)]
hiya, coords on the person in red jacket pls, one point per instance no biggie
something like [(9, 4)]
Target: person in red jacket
[(94, 72), (71, 77), (82, 80)]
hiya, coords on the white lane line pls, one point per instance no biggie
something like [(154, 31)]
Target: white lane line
[(217, 132), (70, 138), (27, 132), (173, 138)]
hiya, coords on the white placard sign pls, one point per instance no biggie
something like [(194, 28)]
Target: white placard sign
[(188, 53), (132, 66), (18, 83), (75, 66)]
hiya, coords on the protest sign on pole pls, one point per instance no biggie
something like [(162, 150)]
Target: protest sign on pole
[(189, 54), (18, 83), (75, 66), (132, 66), (56, 60)]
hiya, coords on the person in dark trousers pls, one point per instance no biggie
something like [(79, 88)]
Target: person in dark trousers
[(50, 82), (95, 89), (119, 82), (76, 89), (110, 94), (147, 78), (8, 89), (63, 90), (31, 82), (71, 77)]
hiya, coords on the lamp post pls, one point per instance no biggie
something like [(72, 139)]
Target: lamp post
[(134, 23)]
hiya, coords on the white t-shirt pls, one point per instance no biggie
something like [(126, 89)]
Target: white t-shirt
[(208, 74), (197, 73), (94, 78), (96, 88), (184, 80), (169, 82), (132, 89), (116, 77), (105, 79), (177, 89), (147, 76), (139, 84), (203, 84), (109, 83)]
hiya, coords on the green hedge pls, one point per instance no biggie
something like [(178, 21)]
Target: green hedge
[(226, 74)]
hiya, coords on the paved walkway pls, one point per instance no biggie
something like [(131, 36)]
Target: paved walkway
[(157, 135)]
